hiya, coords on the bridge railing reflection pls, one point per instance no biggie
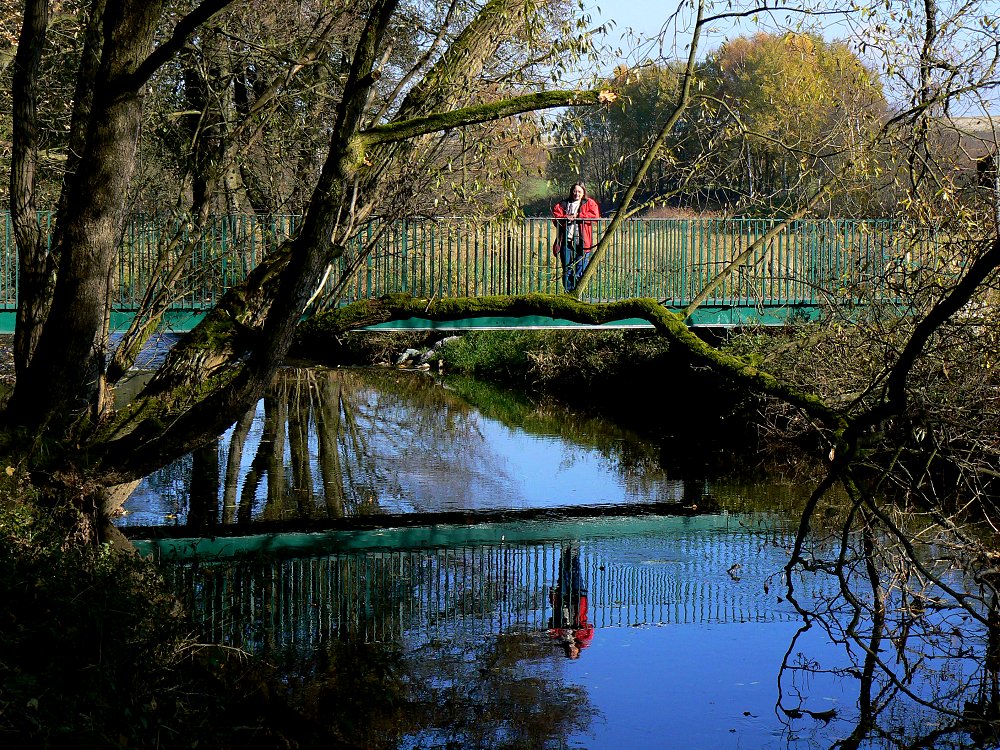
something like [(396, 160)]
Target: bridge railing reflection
[(416, 596)]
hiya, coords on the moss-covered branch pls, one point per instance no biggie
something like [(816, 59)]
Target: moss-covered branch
[(315, 333), (401, 130)]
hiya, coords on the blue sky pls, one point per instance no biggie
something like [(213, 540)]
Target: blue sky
[(642, 16), (647, 17)]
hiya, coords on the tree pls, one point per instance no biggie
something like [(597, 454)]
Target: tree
[(789, 103), (769, 115), (76, 445)]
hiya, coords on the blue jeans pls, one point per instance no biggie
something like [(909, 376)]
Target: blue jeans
[(574, 261)]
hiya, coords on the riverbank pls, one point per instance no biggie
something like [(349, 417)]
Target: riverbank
[(633, 377), (704, 419), (6, 359)]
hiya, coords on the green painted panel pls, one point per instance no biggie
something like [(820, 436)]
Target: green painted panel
[(708, 315), (173, 320), (427, 537)]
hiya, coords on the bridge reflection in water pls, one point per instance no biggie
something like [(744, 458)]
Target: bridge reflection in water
[(406, 586)]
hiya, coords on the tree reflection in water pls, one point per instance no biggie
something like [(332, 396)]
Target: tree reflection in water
[(321, 436), (500, 692), (345, 443), (915, 611), (907, 598)]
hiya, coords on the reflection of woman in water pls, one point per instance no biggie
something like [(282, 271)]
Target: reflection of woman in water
[(568, 624)]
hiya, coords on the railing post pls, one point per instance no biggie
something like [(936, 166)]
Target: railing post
[(426, 259), (638, 257), (686, 294), (9, 256), (403, 250)]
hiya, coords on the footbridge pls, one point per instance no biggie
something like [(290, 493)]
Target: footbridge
[(805, 268)]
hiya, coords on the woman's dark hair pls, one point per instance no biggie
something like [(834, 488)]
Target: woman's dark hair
[(583, 187)]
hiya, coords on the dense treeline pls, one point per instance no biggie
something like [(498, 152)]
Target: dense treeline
[(776, 116), (237, 120)]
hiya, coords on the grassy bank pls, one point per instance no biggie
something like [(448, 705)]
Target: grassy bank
[(631, 376)]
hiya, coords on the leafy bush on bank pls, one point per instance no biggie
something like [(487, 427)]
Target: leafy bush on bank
[(552, 360), (946, 442)]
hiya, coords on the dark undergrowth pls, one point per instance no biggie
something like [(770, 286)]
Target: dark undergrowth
[(95, 652)]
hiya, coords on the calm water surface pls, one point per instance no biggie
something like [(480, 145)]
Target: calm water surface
[(330, 444), (661, 622)]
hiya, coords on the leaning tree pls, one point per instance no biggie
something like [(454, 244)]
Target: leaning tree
[(58, 422)]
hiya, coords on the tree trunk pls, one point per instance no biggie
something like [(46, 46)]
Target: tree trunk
[(64, 377), (203, 506), (222, 367), (228, 361), (32, 266), (328, 428), (234, 465), (300, 393)]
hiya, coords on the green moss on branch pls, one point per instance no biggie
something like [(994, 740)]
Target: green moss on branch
[(398, 131)]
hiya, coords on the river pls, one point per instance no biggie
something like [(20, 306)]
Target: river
[(438, 563)]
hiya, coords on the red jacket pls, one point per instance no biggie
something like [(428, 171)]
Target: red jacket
[(588, 210), (577, 625)]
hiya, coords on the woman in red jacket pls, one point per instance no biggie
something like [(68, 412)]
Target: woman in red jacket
[(573, 218)]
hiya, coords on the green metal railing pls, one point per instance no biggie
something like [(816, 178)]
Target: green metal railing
[(808, 263), (215, 257), (667, 259)]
